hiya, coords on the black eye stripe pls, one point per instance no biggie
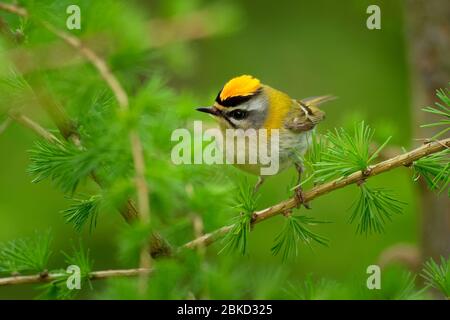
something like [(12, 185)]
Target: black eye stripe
[(229, 121), (238, 114)]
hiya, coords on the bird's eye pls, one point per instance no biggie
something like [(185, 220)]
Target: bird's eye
[(238, 114)]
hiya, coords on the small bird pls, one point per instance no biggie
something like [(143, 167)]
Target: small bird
[(245, 103)]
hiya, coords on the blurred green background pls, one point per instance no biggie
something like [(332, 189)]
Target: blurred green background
[(304, 48)]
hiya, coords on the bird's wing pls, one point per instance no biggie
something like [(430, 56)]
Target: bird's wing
[(305, 114)]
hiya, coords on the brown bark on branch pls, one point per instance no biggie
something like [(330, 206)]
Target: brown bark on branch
[(405, 159), (27, 122), (96, 275), (12, 8)]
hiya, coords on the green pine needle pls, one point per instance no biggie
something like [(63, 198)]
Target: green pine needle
[(373, 209), (314, 289), (442, 110), (26, 255), (397, 284), (245, 203), (237, 239), (14, 89), (57, 289), (245, 200), (131, 241), (434, 169), (316, 148), (346, 153), (63, 163), (80, 257), (82, 211), (403, 288), (438, 276), (295, 230)]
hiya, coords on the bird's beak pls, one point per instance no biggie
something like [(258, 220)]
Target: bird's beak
[(211, 110)]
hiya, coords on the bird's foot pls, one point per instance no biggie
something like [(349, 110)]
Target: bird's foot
[(300, 198)]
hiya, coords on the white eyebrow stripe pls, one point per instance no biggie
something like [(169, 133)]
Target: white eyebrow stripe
[(257, 103), (252, 107)]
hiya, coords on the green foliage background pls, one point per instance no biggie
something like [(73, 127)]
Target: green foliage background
[(305, 48)]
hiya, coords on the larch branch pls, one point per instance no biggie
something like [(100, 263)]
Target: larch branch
[(34, 126), (12, 8), (96, 275), (405, 159), (123, 102), (135, 141), (162, 32), (119, 93)]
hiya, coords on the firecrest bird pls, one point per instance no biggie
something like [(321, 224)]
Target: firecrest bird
[(245, 103)]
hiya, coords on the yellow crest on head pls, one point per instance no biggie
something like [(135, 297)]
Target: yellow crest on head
[(240, 86)]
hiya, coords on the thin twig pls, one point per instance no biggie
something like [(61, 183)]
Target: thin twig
[(14, 9), (118, 91), (198, 226), (123, 102), (34, 126), (96, 275), (135, 141), (162, 32), (63, 122), (96, 61), (405, 159), (5, 124), (129, 213)]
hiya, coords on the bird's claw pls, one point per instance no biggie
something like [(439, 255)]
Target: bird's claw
[(300, 198)]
